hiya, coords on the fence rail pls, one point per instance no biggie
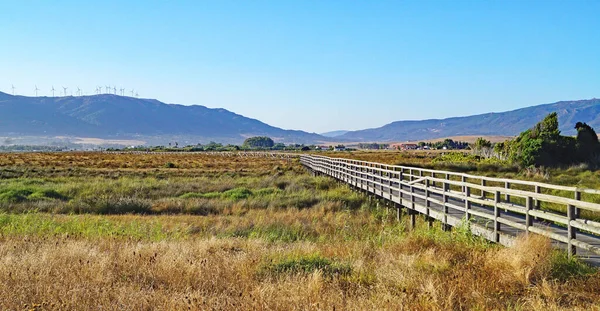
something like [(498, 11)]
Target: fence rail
[(498, 209)]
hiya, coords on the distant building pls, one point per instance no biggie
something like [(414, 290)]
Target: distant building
[(339, 148), (407, 146)]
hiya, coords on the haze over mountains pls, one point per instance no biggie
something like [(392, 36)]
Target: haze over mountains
[(118, 117), (334, 133)]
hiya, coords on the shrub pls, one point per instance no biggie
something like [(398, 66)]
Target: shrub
[(543, 145), (259, 142), (15, 195), (237, 194), (46, 194)]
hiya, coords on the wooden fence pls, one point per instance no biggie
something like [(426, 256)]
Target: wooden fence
[(498, 209)]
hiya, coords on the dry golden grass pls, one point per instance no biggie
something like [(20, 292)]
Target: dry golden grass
[(113, 165), (418, 271)]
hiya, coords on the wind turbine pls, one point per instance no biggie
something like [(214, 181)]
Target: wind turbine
[(13, 89), (115, 89), (53, 91), (78, 91), (137, 95), (108, 89), (36, 90), (65, 90), (131, 92)]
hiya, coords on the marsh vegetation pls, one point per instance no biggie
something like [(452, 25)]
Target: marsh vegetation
[(115, 231)]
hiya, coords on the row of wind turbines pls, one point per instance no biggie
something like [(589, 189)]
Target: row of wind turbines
[(99, 90)]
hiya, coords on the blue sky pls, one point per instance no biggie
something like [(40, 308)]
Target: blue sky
[(310, 65)]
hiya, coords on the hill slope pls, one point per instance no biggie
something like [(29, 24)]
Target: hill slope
[(333, 133), (508, 123), (111, 116)]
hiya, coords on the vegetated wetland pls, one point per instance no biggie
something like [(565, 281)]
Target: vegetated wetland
[(199, 231)]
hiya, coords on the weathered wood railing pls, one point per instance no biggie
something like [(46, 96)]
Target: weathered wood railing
[(497, 209)]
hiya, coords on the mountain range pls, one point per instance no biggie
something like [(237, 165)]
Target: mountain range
[(116, 117), (508, 123), (110, 116)]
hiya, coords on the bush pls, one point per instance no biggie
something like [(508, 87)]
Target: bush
[(46, 194), (15, 195), (259, 142), (543, 145)]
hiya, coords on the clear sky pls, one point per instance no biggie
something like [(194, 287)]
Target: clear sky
[(312, 65)]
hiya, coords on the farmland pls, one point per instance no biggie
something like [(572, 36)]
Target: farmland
[(205, 232)]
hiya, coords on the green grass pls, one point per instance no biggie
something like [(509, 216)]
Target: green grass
[(307, 264), (35, 224), (235, 194), (152, 195), (564, 268)]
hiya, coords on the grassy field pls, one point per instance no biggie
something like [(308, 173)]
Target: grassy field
[(198, 232)]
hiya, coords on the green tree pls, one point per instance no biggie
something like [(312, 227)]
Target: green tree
[(542, 145), (587, 144), (483, 147), (259, 142), (547, 129)]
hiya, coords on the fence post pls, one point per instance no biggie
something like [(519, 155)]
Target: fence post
[(467, 202), (528, 219), (571, 231), (445, 225), (496, 216), (427, 203), (401, 177), (390, 181), (537, 202), (412, 197), (506, 195), (578, 198), (483, 183)]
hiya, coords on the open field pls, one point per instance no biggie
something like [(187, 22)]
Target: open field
[(101, 141), (470, 138), (182, 231)]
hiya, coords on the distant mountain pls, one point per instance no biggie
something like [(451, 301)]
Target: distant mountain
[(110, 116), (333, 133), (504, 123)]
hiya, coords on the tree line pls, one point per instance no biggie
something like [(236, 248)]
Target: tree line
[(543, 145), (446, 143)]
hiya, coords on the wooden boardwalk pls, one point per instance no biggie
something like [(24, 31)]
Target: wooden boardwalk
[(497, 209)]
